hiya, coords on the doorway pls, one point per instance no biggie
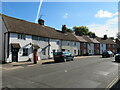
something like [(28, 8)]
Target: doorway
[(15, 55)]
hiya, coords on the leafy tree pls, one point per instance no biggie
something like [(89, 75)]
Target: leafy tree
[(112, 38), (69, 30), (82, 30), (118, 35)]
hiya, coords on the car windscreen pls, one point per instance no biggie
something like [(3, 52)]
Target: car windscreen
[(66, 53), (109, 52), (105, 52)]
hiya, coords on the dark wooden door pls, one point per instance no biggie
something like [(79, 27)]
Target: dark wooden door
[(14, 55), (78, 52)]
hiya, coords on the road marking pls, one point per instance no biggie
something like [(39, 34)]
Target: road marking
[(66, 71), (103, 73), (112, 83)]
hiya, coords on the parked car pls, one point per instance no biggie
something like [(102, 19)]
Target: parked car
[(117, 57), (63, 56), (107, 54)]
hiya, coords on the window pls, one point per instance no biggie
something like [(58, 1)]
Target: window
[(84, 51), (102, 45), (35, 38), (89, 44), (74, 43), (58, 42), (44, 51), (74, 51), (89, 51), (22, 36), (68, 43), (84, 44), (25, 51)]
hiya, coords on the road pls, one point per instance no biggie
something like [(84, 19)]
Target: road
[(92, 72)]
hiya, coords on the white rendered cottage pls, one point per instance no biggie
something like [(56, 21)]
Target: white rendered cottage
[(23, 40)]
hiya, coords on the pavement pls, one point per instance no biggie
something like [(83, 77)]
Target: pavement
[(83, 72), (16, 65)]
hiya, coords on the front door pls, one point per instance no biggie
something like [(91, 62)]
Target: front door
[(78, 52), (81, 52), (15, 55)]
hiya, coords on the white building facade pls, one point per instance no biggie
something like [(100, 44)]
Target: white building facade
[(71, 46), (27, 44), (91, 48), (55, 46), (102, 48)]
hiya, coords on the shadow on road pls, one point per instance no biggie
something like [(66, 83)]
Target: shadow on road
[(25, 64), (115, 61), (51, 62)]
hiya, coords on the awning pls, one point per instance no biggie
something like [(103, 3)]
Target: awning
[(35, 46), (15, 45)]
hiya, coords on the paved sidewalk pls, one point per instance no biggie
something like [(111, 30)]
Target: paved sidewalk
[(16, 65)]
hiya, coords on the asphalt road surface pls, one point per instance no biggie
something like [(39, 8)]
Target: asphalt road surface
[(92, 72)]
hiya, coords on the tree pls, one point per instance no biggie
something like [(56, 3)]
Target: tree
[(69, 30), (82, 30), (118, 35), (112, 38)]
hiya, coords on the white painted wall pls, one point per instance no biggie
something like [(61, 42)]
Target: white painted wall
[(102, 48), (54, 46), (42, 44), (90, 48), (26, 44), (69, 46), (23, 44)]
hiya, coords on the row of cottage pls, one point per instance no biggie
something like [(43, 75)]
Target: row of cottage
[(22, 40)]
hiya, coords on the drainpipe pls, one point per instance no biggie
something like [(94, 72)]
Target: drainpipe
[(49, 48), (8, 45), (61, 45)]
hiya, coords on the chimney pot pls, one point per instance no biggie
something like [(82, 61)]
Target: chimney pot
[(41, 21), (105, 37), (64, 29)]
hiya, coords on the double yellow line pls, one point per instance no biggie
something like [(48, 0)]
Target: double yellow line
[(112, 83)]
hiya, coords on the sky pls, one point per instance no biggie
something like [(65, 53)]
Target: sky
[(99, 17)]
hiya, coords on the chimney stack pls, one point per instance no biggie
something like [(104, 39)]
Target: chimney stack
[(93, 35), (105, 37), (41, 21), (64, 29)]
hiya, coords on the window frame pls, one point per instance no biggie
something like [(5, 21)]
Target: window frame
[(25, 52)]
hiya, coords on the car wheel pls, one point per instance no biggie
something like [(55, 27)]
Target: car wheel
[(72, 59)]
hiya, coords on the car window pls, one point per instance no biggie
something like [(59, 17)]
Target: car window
[(66, 53), (109, 52), (58, 53)]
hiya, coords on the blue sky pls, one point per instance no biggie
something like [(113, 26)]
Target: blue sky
[(100, 17)]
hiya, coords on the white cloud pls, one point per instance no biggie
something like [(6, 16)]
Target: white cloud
[(65, 16), (110, 28), (105, 14), (92, 25)]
